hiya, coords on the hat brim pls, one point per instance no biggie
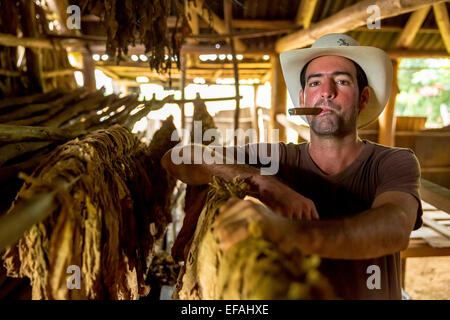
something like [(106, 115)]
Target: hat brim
[(375, 63)]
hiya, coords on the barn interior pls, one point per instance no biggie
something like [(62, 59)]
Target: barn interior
[(91, 93)]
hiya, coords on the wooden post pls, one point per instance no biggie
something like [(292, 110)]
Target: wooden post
[(89, 72), (227, 9), (278, 104), (386, 135), (33, 56), (182, 85), (254, 112)]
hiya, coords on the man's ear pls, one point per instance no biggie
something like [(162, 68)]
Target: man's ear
[(364, 98), (301, 99)]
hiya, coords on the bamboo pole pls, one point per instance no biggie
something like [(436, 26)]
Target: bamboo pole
[(13, 150), (151, 106), (27, 213), (31, 109), (89, 103), (23, 133), (348, 19), (35, 98), (11, 172)]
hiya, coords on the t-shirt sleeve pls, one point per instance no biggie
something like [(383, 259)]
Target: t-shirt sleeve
[(400, 171)]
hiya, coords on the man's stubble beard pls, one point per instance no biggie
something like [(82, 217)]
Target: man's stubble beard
[(333, 125)]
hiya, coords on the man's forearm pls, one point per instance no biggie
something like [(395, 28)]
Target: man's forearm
[(202, 173), (372, 233)]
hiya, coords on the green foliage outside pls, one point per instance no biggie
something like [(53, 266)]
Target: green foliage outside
[(416, 77)]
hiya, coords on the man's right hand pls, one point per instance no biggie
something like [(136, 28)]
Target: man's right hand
[(284, 200)]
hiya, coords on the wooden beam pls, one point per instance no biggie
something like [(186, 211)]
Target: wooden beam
[(205, 49), (9, 40), (347, 19), (441, 15), (243, 35), (418, 54), (386, 133), (278, 101), (58, 73), (305, 13), (411, 28), (263, 24), (108, 72), (396, 29), (217, 23)]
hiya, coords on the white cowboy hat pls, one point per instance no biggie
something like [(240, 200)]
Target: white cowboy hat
[(374, 61)]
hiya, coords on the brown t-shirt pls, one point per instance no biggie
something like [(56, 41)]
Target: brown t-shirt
[(376, 170)]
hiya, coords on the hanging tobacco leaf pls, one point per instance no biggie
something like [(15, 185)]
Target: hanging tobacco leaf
[(131, 22)]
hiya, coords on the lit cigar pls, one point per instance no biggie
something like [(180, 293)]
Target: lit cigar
[(304, 111)]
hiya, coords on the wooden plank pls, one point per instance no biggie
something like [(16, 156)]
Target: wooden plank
[(437, 215), (435, 195), (436, 226), (442, 20), (411, 28), (420, 248), (347, 19)]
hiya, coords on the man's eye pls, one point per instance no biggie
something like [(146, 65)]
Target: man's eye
[(343, 82), (314, 83)]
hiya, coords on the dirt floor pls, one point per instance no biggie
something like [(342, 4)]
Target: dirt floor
[(428, 278)]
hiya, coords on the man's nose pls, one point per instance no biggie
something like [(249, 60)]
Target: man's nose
[(328, 89)]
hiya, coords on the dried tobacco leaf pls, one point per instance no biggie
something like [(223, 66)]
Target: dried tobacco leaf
[(103, 224)]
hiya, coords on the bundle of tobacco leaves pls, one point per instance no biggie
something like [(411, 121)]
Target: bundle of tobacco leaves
[(252, 269), (129, 22), (106, 224), (195, 196)]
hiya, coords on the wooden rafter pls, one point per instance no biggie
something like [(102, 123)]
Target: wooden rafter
[(305, 13), (348, 19), (216, 22), (442, 20), (262, 24), (413, 25)]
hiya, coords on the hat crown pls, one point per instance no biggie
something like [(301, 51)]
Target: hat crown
[(335, 40)]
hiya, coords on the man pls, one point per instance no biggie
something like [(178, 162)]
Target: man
[(353, 202)]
